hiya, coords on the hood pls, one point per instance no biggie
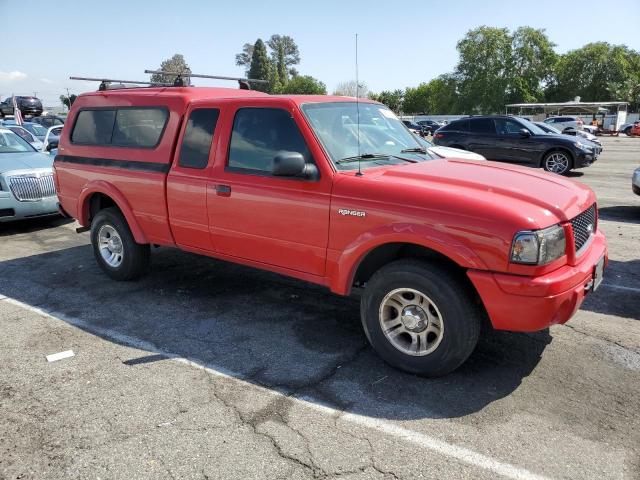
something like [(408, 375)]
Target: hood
[(448, 152), (527, 196), (24, 161)]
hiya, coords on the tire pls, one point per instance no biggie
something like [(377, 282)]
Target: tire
[(557, 161), (114, 247), (450, 305)]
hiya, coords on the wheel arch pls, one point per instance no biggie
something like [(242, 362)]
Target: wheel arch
[(99, 195), (356, 264)]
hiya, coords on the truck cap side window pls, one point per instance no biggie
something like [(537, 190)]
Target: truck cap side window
[(134, 127), (198, 136), (257, 137)]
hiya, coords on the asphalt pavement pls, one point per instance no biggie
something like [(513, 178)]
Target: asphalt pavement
[(204, 369)]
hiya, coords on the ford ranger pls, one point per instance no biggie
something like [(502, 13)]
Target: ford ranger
[(336, 193)]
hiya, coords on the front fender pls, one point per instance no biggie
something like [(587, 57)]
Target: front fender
[(342, 265), (106, 188)]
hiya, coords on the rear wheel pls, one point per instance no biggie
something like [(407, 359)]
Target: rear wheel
[(114, 247), (557, 162), (420, 318)]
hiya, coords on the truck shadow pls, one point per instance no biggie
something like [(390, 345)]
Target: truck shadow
[(621, 213), (32, 225), (614, 298), (273, 331)]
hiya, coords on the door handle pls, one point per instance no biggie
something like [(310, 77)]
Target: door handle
[(223, 190)]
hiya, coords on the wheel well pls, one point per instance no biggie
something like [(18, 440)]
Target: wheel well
[(459, 147), (558, 149), (387, 253), (99, 201)]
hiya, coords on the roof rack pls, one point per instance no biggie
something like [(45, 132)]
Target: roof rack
[(245, 83), (104, 82)]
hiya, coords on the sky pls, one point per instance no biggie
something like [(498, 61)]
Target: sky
[(401, 44)]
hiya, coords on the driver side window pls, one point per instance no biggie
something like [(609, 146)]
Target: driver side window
[(258, 135)]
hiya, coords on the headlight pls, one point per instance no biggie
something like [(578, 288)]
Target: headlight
[(582, 146), (539, 247)]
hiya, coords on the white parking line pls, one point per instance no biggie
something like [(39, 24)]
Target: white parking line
[(455, 452), (621, 287)]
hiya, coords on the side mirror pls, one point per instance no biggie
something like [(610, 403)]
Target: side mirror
[(570, 131), (51, 145), (292, 164), (524, 133)]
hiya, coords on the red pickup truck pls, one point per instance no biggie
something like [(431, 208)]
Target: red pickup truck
[(337, 193)]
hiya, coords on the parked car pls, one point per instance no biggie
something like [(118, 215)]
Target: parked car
[(516, 140), (26, 180), (634, 130), (52, 138), (447, 152), (35, 129), (635, 181), (564, 122), (430, 126), (415, 128), (27, 105), (337, 193), (49, 120), (26, 135), (576, 133)]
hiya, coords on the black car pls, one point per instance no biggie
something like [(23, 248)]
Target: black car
[(48, 121), (27, 105), (516, 140), (415, 127), (430, 125)]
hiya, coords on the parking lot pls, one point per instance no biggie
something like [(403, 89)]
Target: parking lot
[(205, 369)]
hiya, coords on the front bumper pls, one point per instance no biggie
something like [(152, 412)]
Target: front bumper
[(12, 209), (528, 304), (584, 159)]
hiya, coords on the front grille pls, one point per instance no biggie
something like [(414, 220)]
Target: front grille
[(30, 188), (584, 226)]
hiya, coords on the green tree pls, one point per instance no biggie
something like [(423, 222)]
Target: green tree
[(304, 85), (176, 63), (243, 59), (484, 69), (260, 67), (284, 55), (416, 99), (532, 65), (68, 101), (596, 72), (443, 96)]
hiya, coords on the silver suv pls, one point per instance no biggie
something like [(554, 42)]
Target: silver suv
[(565, 122)]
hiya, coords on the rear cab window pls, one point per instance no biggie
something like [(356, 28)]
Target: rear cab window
[(198, 137), (133, 127)]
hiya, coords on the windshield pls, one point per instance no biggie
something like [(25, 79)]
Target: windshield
[(381, 133), (532, 127), (12, 143), (36, 129), (549, 128)]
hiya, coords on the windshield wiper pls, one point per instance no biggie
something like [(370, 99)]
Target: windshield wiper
[(414, 150), (368, 156)]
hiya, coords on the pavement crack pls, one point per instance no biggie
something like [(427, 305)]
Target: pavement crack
[(601, 338)]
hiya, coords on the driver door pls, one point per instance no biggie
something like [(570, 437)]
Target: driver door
[(253, 215)]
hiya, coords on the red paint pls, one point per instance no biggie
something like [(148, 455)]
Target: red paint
[(467, 211)]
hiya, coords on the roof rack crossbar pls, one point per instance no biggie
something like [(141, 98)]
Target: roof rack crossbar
[(105, 81), (244, 82)]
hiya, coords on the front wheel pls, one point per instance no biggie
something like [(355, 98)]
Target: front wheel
[(557, 162), (420, 317), (114, 247)]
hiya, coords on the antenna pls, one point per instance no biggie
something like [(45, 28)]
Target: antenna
[(359, 174)]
